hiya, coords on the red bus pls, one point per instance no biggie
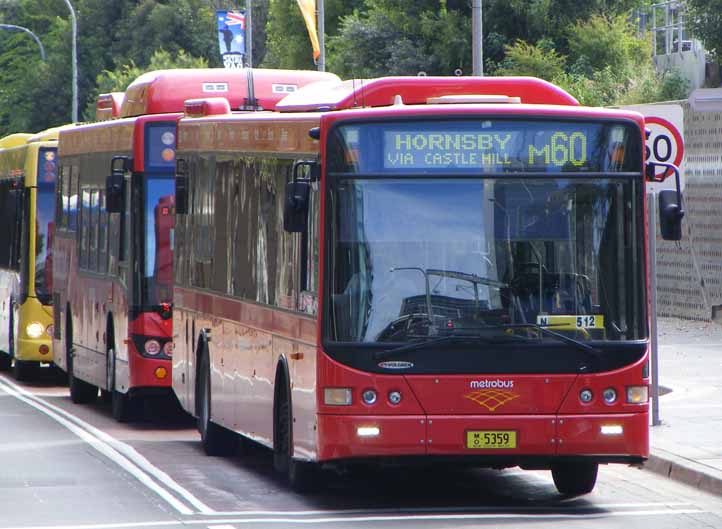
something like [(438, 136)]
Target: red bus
[(419, 271), (114, 228)]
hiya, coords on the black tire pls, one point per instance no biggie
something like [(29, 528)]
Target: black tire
[(574, 479), (216, 440), (23, 370), (302, 476), (6, 361), (80, 391)]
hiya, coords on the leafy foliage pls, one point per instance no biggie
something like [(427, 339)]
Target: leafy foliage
[(528, 59), (705, 20), (585, 46)]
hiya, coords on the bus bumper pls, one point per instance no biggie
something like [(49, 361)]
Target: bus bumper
[(34, 350), (610, 437)]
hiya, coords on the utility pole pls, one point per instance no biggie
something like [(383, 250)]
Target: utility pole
[(249, 32), (13, 27), (321, 37), (477, 44), (74, 21)]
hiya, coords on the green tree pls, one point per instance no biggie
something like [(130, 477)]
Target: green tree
[(601, 41), (705, 21), (537, 61), (393, 37), (288, 44)]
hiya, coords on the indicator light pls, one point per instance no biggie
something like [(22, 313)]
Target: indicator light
[(168, 155), (43, 349), (161, 373), (637, 394), (337, 396)]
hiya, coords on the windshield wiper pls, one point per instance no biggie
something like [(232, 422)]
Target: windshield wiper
[(447, 338), (593, 352)]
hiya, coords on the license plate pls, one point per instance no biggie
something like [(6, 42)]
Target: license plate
[(490, 439), (571, 322)]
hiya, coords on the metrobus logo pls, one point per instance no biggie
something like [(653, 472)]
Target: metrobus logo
[(494, 384)]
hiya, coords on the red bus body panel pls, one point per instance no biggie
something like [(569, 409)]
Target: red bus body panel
[(249, 341)]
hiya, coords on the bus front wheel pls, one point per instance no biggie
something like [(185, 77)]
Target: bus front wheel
[(574, 479), (301, 475)]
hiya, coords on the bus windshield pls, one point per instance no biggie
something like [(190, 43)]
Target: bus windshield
[(418, 256), (44, 215), (158, 267)]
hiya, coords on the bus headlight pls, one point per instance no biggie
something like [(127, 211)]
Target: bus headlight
[(168, 349), (152, 347), (34, 329)]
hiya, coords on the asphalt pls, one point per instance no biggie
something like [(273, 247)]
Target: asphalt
[(687, 444)]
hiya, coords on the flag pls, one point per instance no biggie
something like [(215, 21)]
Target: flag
[(308, 10), (231, 37)]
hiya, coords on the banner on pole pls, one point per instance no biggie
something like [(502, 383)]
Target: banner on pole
[(308, 10), (232, 37)]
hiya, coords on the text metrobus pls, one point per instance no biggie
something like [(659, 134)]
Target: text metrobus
[(408, 270), (28, 169), (113, 250)]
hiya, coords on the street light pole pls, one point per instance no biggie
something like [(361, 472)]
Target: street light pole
[(13, 27), (477, 43), (74, 21), (321, 17)]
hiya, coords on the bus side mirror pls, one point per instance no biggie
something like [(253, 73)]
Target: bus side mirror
[(295, 206), (115, 184), (181, 187), (670, 215)]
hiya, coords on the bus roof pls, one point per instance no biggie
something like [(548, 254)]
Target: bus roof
[(418, 90), (165, 91), (107, 106), (14, 140), (49, 134)]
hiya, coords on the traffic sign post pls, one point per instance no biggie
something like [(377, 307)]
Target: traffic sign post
[(664, 144)]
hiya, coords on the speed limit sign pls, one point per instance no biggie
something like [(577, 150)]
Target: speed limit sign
[(665, 143)]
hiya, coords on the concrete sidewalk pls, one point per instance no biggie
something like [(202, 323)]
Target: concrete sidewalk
[(687, 445)]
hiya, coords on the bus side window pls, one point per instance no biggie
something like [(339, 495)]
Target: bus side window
[(60, 194), (84, 228), (308, 286), (102, 235), (8, 221), (72, 199)]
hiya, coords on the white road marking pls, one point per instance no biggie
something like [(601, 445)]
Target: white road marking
[(120, 453), (437, 510), (222, 524)]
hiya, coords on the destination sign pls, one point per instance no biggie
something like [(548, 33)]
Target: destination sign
[(491, 146), (432, 149)]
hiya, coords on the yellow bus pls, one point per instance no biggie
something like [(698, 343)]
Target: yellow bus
[(28, 169)]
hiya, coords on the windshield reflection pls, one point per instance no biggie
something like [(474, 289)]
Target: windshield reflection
[(417, 258)]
